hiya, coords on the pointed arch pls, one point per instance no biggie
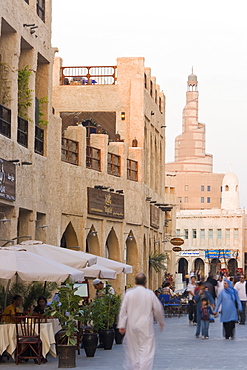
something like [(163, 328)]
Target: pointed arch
[(69, 238), (92, 242), (132, 257), (112, 249)]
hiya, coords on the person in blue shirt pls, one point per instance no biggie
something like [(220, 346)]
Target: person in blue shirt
[(206, 311), (230, 305), (199, 296)]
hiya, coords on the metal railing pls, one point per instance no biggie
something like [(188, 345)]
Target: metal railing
[(93, 158), (70, 151), (101, 75), (113, 165), (5, 121)]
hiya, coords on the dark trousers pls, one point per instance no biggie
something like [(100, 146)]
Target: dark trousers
[(192, 311), (242, 314), (229, 329)]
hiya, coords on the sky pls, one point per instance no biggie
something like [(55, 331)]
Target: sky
[(172, 36)]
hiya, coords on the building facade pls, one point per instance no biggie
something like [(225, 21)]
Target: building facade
[(213, 239), (83, 165)]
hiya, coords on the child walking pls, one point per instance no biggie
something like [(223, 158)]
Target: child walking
[(206, 311)]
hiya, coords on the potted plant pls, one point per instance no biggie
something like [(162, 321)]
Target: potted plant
[(90, 333), (105, 312), (67, 311)]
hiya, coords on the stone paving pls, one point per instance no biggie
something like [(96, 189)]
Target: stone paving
[(177, 348)]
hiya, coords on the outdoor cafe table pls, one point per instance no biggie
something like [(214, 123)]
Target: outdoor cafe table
[(8, 339)]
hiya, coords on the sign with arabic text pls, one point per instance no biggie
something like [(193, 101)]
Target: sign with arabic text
[(104, 203), (218, 253)]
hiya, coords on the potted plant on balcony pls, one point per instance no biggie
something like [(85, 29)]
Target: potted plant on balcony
[(67, 311)]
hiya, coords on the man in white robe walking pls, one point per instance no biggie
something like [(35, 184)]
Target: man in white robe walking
[(136, 318)]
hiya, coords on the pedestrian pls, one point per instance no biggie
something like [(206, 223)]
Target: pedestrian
[(211, 283), (206, 311), (102, 289), (12, 309), (229, 301), (139, 308), (240, 287), (199, 296), (220, 285), (192, 305)]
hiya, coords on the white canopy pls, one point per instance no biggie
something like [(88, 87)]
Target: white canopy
[(31, 267), (76, 259), (114, 265), (97, 271)]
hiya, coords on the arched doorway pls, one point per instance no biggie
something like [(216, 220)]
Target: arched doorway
[(183, 267), (132, 258), (215, 266), (232, 266), (112, 249), (199, 268), (92, 242), (69, 237)]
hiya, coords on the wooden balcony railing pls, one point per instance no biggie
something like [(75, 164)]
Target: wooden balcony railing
[(113, 167), (93, 158), (5, 121), (88, 75), (70, 151), (132, 170)]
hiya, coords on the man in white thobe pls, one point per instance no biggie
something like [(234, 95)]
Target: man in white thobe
[(139, 308)]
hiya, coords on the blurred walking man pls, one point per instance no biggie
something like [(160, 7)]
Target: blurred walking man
[(241, 288), (139, 308)]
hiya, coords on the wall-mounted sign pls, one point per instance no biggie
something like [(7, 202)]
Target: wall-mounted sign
[(218, 253), (154, 217), (177, 241), (7, 180), (176, 249), (103, 203), (189, 254)]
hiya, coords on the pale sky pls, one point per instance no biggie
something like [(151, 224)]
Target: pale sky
[(172, 36)]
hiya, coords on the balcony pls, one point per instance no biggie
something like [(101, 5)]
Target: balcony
[(22, 132), (93, 158), (70, 150), (5, 121), (88, 75)]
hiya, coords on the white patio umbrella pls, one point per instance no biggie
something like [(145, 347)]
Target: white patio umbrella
[(31, 267), (68, 257), (114, 265), (97, 271)]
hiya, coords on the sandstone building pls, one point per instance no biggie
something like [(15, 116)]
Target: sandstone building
[(83, 167)]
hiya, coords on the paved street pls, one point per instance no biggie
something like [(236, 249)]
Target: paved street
[(177, 348)]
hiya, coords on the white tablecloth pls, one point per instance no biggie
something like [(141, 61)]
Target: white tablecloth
[(46, 335), (4, 338), (55, 325)]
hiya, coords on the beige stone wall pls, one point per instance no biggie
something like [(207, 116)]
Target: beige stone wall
[(54, 193)]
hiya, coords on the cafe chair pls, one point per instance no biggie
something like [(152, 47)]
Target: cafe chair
[(28, 342)]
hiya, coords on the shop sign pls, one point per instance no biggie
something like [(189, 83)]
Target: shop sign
[(7, 180), (103, 203), (218, 253), (189, 254), (177, 241), (154, 216)]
